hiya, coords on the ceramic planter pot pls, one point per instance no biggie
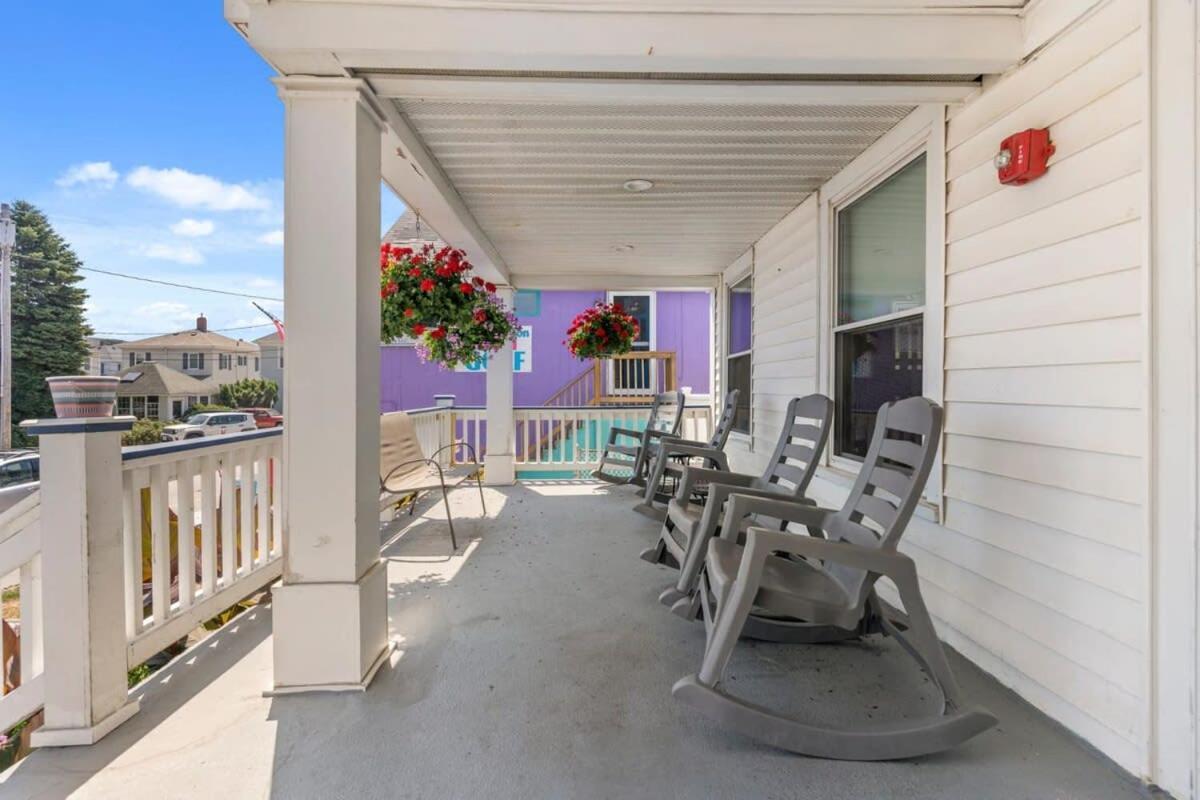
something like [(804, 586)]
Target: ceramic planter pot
[(83, 395)]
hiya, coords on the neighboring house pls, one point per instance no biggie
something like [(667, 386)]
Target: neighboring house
[(104, 356), (679, 323), (198, 353), (271, 347), (151, 390)]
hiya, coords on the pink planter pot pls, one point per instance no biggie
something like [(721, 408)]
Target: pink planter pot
[(77, 396)]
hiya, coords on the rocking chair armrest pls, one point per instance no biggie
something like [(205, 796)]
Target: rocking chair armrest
[(741, 504), (468, 445), (685, 447), (383, 481), (614, 432), (696, 475), (761, 542)]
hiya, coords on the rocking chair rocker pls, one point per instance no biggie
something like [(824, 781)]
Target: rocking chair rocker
[(821, 588)]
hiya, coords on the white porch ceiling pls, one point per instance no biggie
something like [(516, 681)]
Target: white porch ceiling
[(544, 180)]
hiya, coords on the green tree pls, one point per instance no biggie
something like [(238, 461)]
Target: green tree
[(48, 327), (249, 393)]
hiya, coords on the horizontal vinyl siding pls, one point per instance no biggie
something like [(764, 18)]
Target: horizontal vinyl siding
[(784, 353), (1037, 571), (1044, 542)]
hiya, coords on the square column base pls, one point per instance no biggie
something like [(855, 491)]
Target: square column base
[(499, 469), (330, 637), (81, 737)]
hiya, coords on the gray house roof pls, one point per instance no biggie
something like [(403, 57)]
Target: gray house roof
[(409, 228), (155, 379)]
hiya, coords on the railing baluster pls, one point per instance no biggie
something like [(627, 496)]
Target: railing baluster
[(228, 520), (31, 608), (208, 525), (160, 546), (262, 490), (185, 488), (246, 509), (131, 501), (277, 500)]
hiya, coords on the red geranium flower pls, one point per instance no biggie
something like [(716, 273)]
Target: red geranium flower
[(438, 333), (427, 285), (478, 281), (418, 329), (415, 272), (491, 287), (409, 313), (466, 288)]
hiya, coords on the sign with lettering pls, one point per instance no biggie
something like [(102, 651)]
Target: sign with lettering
[(522, 355)]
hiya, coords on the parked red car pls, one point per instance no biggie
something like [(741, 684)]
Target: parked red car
[(265, 417)]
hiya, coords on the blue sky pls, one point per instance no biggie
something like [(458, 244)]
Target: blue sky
[(151, 135)]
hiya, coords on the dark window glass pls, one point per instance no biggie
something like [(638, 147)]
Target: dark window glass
[(739, 378), (875, 365)]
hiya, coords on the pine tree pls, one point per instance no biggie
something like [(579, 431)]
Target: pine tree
[(48, 327)]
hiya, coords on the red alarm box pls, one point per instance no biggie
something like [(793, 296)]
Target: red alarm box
[(1023, 156)]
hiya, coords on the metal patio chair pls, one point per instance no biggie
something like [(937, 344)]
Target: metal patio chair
[(676, 454), (666, 417), (821, 587), (405, 469), (688, 527)]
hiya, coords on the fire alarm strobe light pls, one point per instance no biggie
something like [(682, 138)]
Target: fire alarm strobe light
[(1023, 156)]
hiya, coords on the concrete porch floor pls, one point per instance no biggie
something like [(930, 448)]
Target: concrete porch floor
[(535, 663)]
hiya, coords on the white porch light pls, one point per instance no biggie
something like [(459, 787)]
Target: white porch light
[(638, 185)]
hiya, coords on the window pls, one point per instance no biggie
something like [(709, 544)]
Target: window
[(256, 366), (879, 303), (281, 358), (152, 407), (193, 361), (131, 361), (139, 406), (738, 348), (147, 358), (241, 361), (123, 404), (224, 361)]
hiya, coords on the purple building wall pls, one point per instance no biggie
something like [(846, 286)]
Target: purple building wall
[(681, 325)]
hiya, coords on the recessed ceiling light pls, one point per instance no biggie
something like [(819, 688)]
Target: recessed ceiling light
[(638, 185), (623, 248)]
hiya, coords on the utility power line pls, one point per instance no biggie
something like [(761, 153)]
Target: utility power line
[(166, 333), (144, 279)]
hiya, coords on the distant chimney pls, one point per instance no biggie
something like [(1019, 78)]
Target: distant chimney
[(201, 324)]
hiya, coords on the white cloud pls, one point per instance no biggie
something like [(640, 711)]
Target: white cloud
[(273, 238), (181, 253), (191, 190), (95, 173), (193, 227)]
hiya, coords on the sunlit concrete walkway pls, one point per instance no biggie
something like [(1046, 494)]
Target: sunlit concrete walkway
[(536, 663)]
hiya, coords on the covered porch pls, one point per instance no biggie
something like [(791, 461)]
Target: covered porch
[(535, 662), (826, 170)]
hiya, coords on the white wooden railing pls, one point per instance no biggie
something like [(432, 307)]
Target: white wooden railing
[(210, 511), (548, 439), (21, 568)]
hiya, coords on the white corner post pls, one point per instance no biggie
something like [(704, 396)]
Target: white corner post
[(498, 464), (83, 577), (333, 578)]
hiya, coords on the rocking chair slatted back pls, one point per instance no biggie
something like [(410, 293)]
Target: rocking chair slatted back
[(889, 485), (725, 422), (806, 425), (666, 413)]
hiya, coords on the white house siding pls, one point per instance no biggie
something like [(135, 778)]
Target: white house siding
[(1038, 572)]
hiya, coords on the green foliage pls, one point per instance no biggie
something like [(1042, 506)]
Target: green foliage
[(250, 393), (430, 296), (144, 431), (48, 327), (204, 408)]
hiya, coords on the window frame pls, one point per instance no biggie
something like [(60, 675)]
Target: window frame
[(740, 270), (748, 353), (920, 133)]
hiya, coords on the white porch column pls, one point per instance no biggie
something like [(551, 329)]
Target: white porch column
[(83, 580), (498, 464), (333, 579)]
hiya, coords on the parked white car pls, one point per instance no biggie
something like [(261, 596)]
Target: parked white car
[(210, 423), (18, 476)]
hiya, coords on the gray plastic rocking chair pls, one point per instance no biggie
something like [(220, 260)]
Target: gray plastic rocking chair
[(666, 417), (674, 455), (687, 529), (820, 587)]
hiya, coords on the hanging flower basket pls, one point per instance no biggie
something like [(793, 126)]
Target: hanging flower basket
[(429, 295), (602, 331)]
